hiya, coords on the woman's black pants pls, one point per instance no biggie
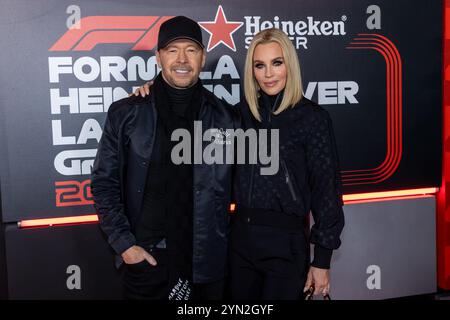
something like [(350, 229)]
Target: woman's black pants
[(266, 262)]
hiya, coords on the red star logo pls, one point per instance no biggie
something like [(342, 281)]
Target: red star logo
[(220, 30)]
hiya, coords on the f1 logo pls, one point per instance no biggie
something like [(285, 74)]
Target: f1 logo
[(142, 31)]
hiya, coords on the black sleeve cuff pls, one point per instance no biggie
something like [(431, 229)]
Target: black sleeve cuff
[(322, 257)]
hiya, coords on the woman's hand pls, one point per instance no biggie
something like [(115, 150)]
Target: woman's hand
[(320, 278), (143, 90)]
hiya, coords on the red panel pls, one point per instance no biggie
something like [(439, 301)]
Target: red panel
[(443, 212)]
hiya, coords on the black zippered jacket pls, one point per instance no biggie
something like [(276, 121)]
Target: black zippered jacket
[(308, 179), (120, 172)]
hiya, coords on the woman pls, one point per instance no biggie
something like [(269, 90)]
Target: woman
[(270, 236), (269, 247)]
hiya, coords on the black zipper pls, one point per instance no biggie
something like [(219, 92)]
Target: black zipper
[(272, 109), (289, 181), (253, 166)]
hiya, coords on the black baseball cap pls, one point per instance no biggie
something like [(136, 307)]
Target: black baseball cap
[(179, 27)]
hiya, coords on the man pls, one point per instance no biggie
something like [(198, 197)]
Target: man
[(166, 222)]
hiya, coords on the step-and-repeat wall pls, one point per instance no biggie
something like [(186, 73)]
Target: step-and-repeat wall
[(375, 66)]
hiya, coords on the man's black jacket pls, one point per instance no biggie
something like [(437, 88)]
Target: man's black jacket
[(120, 171)]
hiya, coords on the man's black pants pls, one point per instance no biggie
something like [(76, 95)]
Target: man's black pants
[(143, 281)]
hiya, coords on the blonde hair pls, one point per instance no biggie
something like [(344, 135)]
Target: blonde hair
[(293, 92)]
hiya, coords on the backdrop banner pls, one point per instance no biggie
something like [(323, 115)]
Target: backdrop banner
[(375, 68)]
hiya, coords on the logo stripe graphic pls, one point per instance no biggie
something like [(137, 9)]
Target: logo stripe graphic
[(104, 29)]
